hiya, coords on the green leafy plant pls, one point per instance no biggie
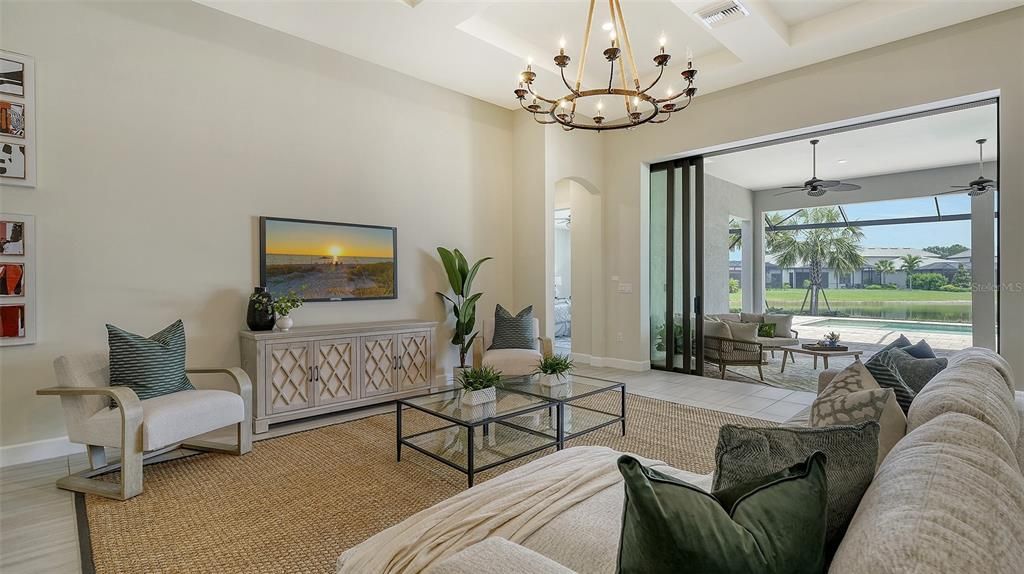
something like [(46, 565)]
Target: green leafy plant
[(460, 277), (928, 281), (479, 379), (283, 305), (557, 365), (734, 286), (832, 338), (962, 277), (910, 263), (884, 266)]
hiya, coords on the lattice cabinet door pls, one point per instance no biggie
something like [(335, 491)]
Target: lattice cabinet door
[(378, 365), (290, 375), (335, 370), (415, 366)]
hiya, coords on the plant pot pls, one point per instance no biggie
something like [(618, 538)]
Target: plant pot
[(554, 380), (256, 319), (284, 322), (480, 397)]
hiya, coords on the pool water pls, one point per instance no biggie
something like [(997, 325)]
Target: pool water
[(894, 326)]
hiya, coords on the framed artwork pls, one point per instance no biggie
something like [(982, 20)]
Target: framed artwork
[(17, 124), (18, 307), (12, 279), (12, 119)]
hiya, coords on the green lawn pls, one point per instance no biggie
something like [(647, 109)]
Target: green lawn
[(795, 296)]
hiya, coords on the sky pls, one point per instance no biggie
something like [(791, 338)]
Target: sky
[(295, 238)]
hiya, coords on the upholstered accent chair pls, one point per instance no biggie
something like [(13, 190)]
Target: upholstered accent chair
[(144, 430), (511, 362), (725, 352)]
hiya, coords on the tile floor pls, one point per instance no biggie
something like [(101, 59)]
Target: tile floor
[(37, 521)]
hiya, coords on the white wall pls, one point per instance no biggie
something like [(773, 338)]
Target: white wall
[(973, 57), (563, 261), (165, 129)]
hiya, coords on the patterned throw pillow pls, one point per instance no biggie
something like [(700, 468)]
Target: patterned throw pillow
[(912, 372), (854, 397), (766, 330), (150, 366), (744, 454), (886, 378), (513, 332)]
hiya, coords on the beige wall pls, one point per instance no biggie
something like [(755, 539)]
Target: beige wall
[(165, 129), (974, 57)]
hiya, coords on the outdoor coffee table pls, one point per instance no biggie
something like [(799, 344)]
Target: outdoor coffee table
[(571, 416), (797, 349), (479, 437)]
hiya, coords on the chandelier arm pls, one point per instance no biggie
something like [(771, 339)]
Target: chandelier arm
[(611, 74), (605, 127), (586, 46), (566, 82), (661, 71), (629, 46), (538, 96), (675, 97), (543, 122)]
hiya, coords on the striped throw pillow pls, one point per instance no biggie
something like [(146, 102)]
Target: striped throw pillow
[(150, 366), (513, 332)]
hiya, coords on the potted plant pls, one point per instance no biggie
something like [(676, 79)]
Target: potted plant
[(460, 277), (259, 316), (832, 339), (554, 369), (281, 306), (478, 385)]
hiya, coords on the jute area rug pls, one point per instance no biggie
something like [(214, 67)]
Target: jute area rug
[(296, 502)]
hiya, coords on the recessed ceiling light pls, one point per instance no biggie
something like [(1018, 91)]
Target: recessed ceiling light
[(841, 161), (607, 26)]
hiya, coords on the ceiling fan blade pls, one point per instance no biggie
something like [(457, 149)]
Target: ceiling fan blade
[(794, 190), (794, 187), (844, 187), (828, 183), (954, 191), (957, 186)]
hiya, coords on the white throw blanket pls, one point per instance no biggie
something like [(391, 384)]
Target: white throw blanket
[(512, 506)]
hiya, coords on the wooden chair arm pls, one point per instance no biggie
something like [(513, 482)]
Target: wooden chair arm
[(547, 346), (126, 398), (796, 335), (242, 381)]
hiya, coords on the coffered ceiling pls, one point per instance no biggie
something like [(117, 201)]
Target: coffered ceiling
[(479, 47)]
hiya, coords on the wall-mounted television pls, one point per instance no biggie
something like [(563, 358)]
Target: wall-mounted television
[(325, 261)]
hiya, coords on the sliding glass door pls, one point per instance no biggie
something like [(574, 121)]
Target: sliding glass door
[(677, 265)]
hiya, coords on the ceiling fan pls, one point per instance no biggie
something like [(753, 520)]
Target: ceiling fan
[(981, 185), (817, 187)]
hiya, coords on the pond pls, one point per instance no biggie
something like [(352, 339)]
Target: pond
[(937, 311)]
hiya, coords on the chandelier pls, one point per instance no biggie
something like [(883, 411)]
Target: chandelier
[(641, 107)]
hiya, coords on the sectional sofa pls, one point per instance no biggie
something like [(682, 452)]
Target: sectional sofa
[(948, 498)]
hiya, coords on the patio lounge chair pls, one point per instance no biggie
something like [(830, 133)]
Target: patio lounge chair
[(731, 352)]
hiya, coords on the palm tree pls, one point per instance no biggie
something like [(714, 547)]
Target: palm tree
[(837, 248), (910, 263), (884, 266)]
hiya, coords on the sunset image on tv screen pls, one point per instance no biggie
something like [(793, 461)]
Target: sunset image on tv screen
[(328, 261)]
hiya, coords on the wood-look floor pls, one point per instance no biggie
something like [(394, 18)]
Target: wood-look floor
[(38, 532)]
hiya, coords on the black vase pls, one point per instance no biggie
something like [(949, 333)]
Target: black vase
[(256, 319)]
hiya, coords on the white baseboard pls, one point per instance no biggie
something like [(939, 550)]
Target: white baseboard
[(611, 362), (38, 450)]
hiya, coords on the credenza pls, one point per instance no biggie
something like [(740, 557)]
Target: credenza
[(308, 371)]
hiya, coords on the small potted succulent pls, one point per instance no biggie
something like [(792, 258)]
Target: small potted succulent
[(281, 306), (832, 339), (478, 385), (553, 369)]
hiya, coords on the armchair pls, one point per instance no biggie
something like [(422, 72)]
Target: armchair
[(142, 429), (732, 352), (511, 362)]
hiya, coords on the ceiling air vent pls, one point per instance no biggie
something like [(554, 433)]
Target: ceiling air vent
[(722, 13)]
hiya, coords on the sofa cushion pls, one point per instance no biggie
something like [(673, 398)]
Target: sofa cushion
[(743, 331), (497, 556), (512, 362), (913, 372), (887, 378), (717, 329), (752, 317), (745, 453), (976, 390), (920, 350), (854, 397), (513, 332), (170, 419), (726, 317), (783, 324), (150, 366), (773, 524), (949, 499)]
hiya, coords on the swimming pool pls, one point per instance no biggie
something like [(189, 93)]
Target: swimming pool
[(893, 326)]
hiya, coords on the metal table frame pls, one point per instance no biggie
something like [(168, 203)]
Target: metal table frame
[(559, 406)]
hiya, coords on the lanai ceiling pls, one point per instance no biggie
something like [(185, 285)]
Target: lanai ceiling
[(478, 48)]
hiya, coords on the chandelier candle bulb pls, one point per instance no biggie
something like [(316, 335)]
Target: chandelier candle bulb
[(561, 109)]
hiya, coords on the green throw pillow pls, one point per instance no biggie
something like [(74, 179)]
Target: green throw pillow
[(150, 366), (513, 332), (745, 454), (774, 524), (887, 378), (766, 330)]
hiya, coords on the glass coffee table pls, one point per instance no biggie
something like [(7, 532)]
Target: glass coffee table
[(570, 416), (479, 437)]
